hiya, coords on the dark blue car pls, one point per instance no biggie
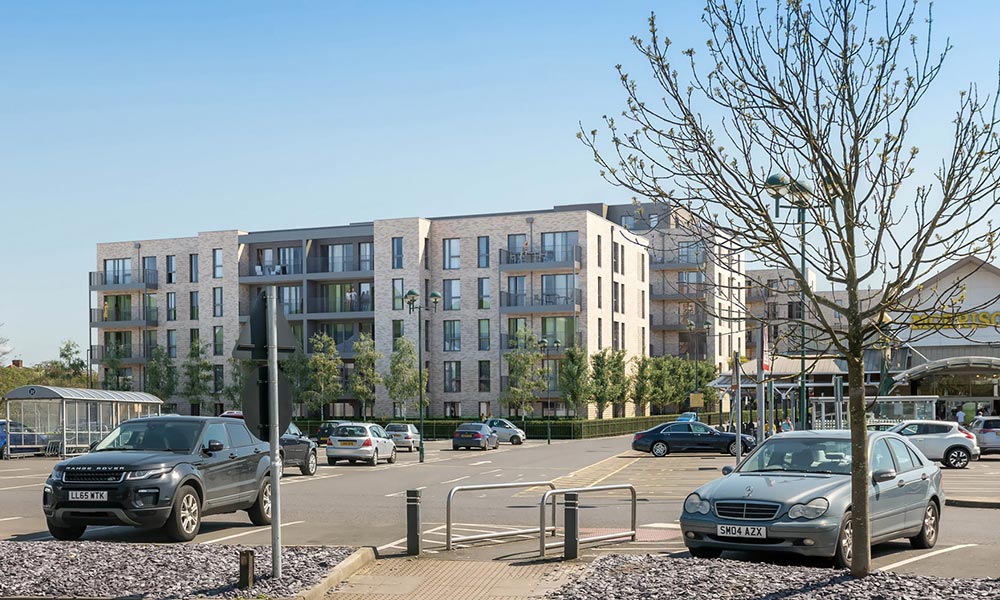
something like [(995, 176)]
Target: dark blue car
[(475, 435), (684, 436)]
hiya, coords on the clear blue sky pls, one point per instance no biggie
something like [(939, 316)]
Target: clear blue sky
[(129, 120)]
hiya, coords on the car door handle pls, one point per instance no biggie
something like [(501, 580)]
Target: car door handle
[(900, 483), (923, 477), (233, 455), (256, 450)]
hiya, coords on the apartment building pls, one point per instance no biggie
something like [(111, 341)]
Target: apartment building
[(166, 293)]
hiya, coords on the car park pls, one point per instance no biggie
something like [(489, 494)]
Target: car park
[(164, 471), (296, 449), (475, 435), (326, 428), (793, 494), (404, 435), (987, 432), (944, 441), (367, 442), (678, 436), (507, 431)]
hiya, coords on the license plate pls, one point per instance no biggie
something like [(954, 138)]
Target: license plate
[(86, 496), (346, 443), (466, 435), (747, 531)]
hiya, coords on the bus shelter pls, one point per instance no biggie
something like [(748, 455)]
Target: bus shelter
[(60, 421)]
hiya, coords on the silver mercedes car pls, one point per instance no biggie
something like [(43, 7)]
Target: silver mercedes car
[(793, 494)]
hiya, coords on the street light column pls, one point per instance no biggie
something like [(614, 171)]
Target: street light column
[(411, 297)]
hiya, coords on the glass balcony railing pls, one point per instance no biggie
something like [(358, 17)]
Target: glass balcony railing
[(559, 253), (124, 278)]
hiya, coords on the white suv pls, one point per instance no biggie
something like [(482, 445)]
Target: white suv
[(944, 441), (987, 432), (507, 431)]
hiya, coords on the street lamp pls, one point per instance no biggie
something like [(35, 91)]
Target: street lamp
[(780, 187), (411, 298), (544, 345), (707, 325)]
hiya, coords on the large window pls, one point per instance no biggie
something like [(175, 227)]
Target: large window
[(559, 328), (614, 257), (397, 331), (218, 378), (217, 341), (171, 306), (484, 292), (559, 246), (172, 343), (290, 297), (484, 376), (452, 376), (689, 282), (397, 294), (117, 270), (483, 258), (517, 242), (217, 302), (366, 251), (193, 300), (559, 289), (484, 334), (452, 294), (340, 257), (195, 336), (515, 291), (691, 252), (452, 336), (171, 269), (217, 263), (452, 254), (193, 267), (397, 253)]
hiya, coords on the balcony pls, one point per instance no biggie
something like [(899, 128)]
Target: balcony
[(272, 272), (323, 307), (123, 318), (120, 281), (127, 353), (322, 268), (345, 348), (555, 258), (668, 260), (680, 291), (676, 322), (508, 342), (553, 393), (568, 301)]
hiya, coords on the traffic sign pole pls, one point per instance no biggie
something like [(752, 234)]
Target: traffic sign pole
[(275, 435)]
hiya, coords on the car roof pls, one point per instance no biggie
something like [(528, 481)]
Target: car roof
[(836, 434), (928, 422), (185, 419)]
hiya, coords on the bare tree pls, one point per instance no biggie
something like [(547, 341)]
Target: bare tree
[(5, 347), (813, 103)]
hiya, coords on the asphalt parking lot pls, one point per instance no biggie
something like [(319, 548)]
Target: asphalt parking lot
[(363, 505)]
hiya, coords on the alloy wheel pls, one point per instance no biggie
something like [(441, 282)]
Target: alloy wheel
[(930, 523), (266, 498), (847, 541), (189, 513)]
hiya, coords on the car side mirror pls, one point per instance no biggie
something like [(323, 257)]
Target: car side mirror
[(215, 446), (726, 470), (883, 475)]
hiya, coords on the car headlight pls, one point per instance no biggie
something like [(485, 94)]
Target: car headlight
[(694, 504), (146, 474), (57, 475), (811, 510)]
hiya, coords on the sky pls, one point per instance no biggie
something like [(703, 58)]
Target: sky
[(128, 120)]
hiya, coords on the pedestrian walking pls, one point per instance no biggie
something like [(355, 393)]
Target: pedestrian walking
[(960, 416), (786, 425)]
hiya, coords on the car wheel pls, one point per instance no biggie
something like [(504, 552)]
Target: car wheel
[(68, 533), (330, 461), (351, 461), (845, 544), (733, 447), (929, 532), (260, 512), (957, 458), (660, 449), (185, 518), (392, 457), (373, 461), (311, 465), (705, 552)]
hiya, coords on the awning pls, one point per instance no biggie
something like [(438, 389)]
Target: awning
[(44, 392), (954, 364)]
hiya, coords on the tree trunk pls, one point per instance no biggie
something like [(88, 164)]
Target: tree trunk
[(861, 550)]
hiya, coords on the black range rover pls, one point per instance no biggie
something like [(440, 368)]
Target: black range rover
[(164, 472)]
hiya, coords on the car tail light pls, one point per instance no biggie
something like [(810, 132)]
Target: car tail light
[(637, 437), (479, 436), (367, 443), (988, 430), (329, 441), (456, 434), (966, 433), (407, 437)]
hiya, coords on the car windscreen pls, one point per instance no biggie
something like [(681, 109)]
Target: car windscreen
[(800, 456), (351, 431), (470, 427), (397, 427), (170, 436)]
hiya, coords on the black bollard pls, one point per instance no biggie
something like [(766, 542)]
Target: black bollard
[(413, 522), (246, 569), (571, 517)]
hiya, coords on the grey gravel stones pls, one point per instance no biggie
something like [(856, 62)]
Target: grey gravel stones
[(635, 577), (155, 571)]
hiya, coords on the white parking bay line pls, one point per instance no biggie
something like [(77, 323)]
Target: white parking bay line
[(923, 556), (18, 487), (313, 478), (456, 479), (393, 495), (481, 462), (27, 469), (9, 518), (490, 471), (254, 530), (661, 525)]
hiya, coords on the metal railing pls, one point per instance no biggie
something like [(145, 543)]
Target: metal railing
[(326, 304), (497, 486), (558, 253), (565, 298), (123, 277), (97, 315), (345, 264), (270, 268), (542, 546)]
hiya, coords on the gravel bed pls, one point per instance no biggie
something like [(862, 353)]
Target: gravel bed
[(156, 571), (633, 577)]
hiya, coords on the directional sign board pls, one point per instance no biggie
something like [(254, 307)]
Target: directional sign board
[(252, 345)]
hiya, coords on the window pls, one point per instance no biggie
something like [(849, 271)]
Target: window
[(149, 266), (614, 335), (600, 334), (654, 220), (289, 260), (452, 336), (903, 461), (193, 301), (483, 243), (642, 304), (515, 292), (598, 251), (559, 328), (452, 254), (794, 310), (172, 343), (559, 289), (366, 261), (217, 340), (397, 294), (517, 243), (397, 253), (550, 371), (452, 376), (218, 378), (195, 335), (642, 268), (397, 331), (290, 297), (621, 260), (340, 257), (171, 269), (614, 257), (559, 246), (621, 294), (484, 334), (427, 335), (193, 267), (453, 409), (217, 302), (238, 435), (117, 270), (484, 292), (484, 376), (599, 286), (691, 252), (171, 306), (217, 263), (689, 282), (452, 294), (628, 221), (614, 296), (881, 457)]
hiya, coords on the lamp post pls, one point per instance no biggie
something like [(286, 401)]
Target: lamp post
[(697, 356), (544, 345), (779, 187), (411, 298)]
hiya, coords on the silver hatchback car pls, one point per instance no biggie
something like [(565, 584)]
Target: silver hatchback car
[(793, 494), (987, 432), (360, 441)]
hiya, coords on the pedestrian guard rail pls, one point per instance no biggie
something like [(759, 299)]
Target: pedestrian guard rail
[(551, 494), (449, 539)]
